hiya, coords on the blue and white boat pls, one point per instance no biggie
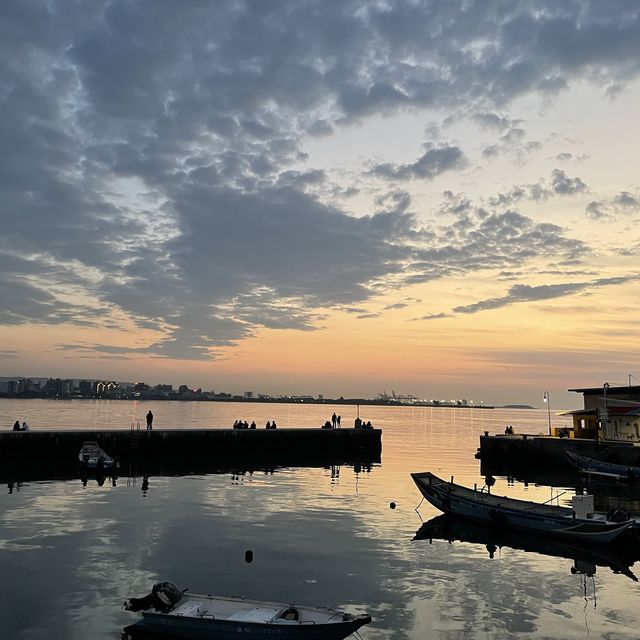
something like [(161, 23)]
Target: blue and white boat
[(579, 522), (170, 612), (604, 470)]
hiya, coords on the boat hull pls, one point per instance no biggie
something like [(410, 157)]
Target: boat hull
[(518, 514), (196, 629), (168, 612)]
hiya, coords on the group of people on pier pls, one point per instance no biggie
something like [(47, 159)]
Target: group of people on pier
[(17, 427), (335, 423), (361, 424), (240, 424)]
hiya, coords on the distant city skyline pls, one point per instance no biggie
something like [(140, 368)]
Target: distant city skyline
[(50, 385), (336, 198), (100, 388)]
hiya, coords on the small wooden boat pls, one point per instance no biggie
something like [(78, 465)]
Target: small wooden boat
[(580, 522), (92, 457), (619, 557), (171, 612), (604, 470)]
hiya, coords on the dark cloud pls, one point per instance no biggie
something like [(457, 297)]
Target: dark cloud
[(559, 184), (606, 210), (432, 316), (149, 151), (565, 156), (428, 166), (597, 211), (396, 305), (527, 293), (624, 200), (563, 185), (494, 122)]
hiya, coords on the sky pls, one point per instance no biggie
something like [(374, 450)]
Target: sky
[(319, 197)]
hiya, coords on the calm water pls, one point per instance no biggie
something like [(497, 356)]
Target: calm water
[(70, 555)]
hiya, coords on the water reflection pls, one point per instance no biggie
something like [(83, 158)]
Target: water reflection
[(139, 474), (619, 558), (15, 475)]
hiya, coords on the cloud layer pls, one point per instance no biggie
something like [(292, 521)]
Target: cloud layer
[(150, 149)]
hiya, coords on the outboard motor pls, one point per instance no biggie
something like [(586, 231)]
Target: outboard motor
[(163, 597), (618, 515)]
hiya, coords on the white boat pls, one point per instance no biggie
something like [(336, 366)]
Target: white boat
[(92, 457), (170, 612), (579, 522)]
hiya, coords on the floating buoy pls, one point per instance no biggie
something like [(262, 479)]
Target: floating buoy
[(248, 555), (392, 505)]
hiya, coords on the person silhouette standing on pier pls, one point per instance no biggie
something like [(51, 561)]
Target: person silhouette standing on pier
[(149, 421), (334, 420)]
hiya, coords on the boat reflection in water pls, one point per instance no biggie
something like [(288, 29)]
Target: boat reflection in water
[(586, 557)]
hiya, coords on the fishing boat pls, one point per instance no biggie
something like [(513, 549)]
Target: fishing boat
[(172, 612), (619, 557), (604, 470), (579, 522), (92, 457)]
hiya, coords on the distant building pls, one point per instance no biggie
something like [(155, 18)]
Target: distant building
[(248, 395), (58, 387), (85, 387), (108, 389)]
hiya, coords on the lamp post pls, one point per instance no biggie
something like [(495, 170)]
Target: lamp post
[(545, 397)]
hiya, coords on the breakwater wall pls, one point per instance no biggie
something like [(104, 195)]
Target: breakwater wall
[(270, 447), (525, 451)]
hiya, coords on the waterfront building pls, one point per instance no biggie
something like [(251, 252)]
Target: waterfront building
[(611, 413)]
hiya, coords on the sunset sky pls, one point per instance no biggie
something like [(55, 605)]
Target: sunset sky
[(337, 198)]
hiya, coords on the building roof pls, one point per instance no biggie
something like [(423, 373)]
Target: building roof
[(626, 391), (578, 412)]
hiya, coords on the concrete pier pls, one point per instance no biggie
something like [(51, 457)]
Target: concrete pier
[(547, 453), (277, 447)]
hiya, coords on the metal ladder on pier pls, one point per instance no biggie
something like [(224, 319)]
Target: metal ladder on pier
[(135, 437)]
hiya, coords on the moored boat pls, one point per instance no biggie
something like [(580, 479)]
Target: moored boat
[(92, 457), (604, 470), (172, 612), (578, 522)]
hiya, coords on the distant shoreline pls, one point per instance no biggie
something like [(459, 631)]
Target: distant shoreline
[(288, 400), (517, 406)]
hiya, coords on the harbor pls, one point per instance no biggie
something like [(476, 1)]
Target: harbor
[(193, 518)]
